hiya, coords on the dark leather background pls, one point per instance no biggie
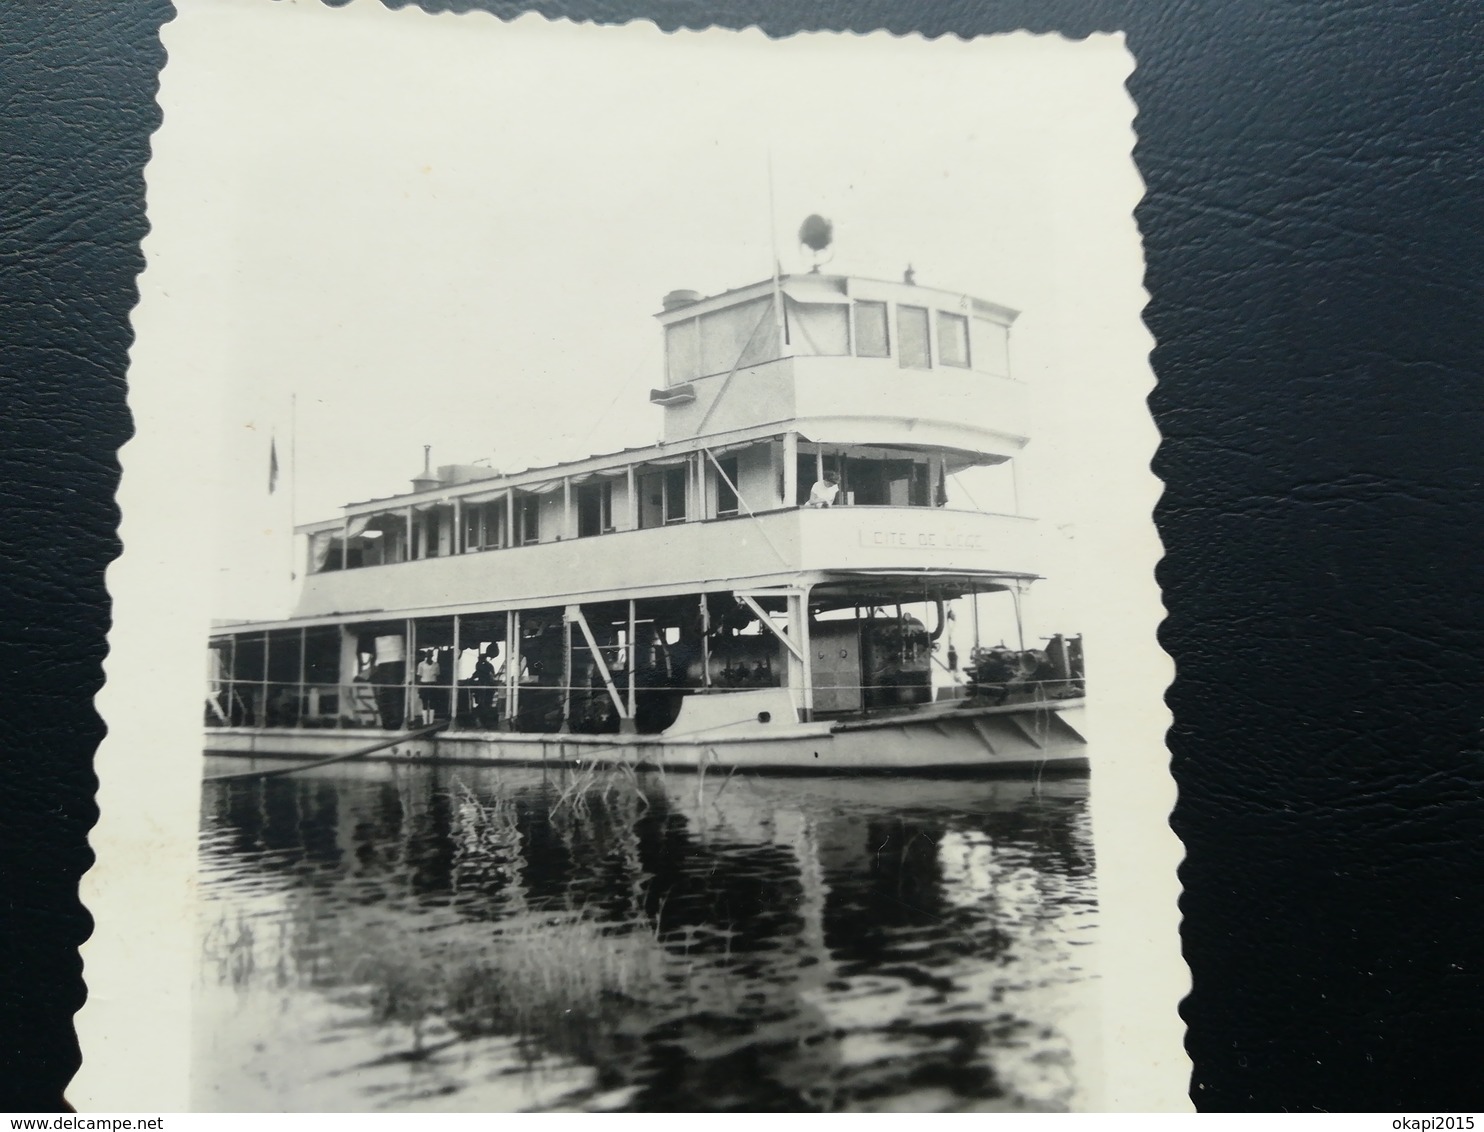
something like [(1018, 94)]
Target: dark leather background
[(1315, 236)]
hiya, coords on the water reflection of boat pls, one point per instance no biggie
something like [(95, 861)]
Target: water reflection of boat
[(695, 604), (819, 948)]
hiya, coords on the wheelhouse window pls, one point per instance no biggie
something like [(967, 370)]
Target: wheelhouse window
[(912, 338), (594, 508), (738, 336), (871, 338), (819, 329), (991, 347), (953, 339)]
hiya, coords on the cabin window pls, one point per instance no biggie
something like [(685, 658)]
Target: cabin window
[(991, 347), (675, 484), (484, 525), (953, 340), (651, 486), (738, 336), (682, 351), (804, 478), (871, 339), (437, 532), (594, 508), (399, 536), (726, 498), (912, 338), (821, 329), (528, 516), (420, 534), (473, 527)]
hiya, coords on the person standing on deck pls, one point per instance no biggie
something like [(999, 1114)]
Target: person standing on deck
[(427, 678), (483, 680), (824, 491)]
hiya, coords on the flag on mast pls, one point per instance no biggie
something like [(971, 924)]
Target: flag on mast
[(272, 465)]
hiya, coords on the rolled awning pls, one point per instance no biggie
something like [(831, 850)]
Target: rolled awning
[(666, 461), (808, 290), (970, 445), (600, 474)]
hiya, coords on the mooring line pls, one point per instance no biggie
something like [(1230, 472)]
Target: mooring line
[(357, 753)]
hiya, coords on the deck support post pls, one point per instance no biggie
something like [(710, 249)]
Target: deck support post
[(508, 539), (696, 504), (1016, 593), (345, 543), (299, 711), (456, 544), (569, 525), (512, 667), (262, 712), (800, 675), (633, 517), (409, 676), (633, 657), (575, 614), (705, 643), (407, 525), (346, 672), (453, 679), (231, 681), (566, 728), (790, 469)]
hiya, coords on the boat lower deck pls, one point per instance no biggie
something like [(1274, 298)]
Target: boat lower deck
[(933, 740)]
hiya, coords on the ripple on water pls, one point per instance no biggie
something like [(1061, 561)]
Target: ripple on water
[(379, 937)]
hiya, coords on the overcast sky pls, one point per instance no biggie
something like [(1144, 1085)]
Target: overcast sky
[(453, 231)]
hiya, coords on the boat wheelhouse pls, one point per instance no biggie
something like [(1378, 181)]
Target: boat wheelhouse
[(687, 603)]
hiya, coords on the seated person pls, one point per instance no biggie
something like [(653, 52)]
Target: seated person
[(825, 491)]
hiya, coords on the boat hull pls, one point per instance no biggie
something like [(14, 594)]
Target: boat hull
[(962, 741)]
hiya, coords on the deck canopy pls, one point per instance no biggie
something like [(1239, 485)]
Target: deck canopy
[(838, 590)]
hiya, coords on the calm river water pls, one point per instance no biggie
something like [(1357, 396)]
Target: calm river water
[(384, 937)]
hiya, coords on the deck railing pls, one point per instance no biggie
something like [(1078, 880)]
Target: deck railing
[(361, 705)]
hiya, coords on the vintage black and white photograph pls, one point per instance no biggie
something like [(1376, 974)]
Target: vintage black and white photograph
[(638, 582)]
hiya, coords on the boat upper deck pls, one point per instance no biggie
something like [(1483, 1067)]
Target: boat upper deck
[(891, 387), (738, 552)]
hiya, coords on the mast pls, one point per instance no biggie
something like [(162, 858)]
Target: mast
[(293, 487), (773, 248)]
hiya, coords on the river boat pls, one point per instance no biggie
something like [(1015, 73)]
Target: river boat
[(694, 604)]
